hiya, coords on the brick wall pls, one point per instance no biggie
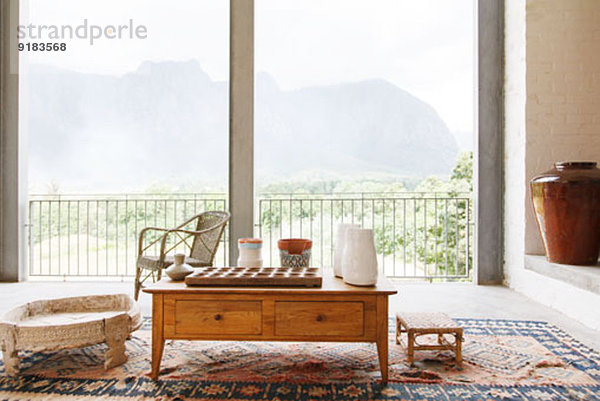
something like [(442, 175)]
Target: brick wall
[(563, 89)]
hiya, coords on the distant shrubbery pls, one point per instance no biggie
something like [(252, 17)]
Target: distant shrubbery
[(421, 228)]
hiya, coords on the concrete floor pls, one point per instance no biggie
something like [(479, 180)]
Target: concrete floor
[(457, 300)]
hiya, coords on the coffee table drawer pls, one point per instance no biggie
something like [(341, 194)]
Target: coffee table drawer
[(217, 317), (319, 318)]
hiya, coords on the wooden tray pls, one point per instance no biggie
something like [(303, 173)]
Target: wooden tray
[(256, 277)]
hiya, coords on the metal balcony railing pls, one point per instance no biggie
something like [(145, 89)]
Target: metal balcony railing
[(96, 235), (417, 235)]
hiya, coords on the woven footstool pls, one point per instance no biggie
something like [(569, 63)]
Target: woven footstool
[(418, 324)]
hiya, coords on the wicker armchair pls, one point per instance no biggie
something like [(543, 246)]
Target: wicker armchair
[(202, 242)]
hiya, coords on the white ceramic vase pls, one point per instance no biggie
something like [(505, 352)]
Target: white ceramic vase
[(178, 270), (359, 262), (340, 244)]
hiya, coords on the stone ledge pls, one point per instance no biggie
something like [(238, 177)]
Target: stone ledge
[(584, 277)]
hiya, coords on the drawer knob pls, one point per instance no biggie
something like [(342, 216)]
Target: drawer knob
[(320, 318), (218, 317)]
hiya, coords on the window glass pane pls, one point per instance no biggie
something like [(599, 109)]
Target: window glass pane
[(124, 112), (358, 86), (137, 100), (364, 108)]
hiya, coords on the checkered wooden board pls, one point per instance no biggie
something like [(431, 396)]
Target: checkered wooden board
[(256, 277)]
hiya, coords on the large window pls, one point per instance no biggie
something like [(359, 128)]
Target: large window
[(125, 114), (364, 113)]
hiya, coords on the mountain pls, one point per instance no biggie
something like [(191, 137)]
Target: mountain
[(168, 122), (355, 127)]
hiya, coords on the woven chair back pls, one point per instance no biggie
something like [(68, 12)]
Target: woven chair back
[(205, 245)]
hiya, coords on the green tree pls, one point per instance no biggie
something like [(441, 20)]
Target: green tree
[(438, 223), (461, 179)]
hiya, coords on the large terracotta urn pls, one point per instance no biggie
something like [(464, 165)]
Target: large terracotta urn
[(566, 201)]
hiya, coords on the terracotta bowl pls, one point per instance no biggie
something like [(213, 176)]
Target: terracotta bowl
[(294, 246)]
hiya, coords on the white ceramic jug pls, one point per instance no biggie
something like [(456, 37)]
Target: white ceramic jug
[(359, 262), (340, 243)]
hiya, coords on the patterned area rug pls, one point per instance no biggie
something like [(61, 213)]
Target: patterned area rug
[(504, 360)]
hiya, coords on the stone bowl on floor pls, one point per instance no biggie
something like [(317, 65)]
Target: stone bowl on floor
[(49, 325)]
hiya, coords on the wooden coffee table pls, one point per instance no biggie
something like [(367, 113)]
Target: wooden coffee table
[(335, 312)]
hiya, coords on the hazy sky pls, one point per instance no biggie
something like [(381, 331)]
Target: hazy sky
[(423, 46)]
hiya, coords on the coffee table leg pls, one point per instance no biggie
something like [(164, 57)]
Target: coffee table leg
[(382, 336), (158, 338)]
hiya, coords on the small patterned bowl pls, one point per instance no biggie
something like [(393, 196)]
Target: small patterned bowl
[(295, 260)]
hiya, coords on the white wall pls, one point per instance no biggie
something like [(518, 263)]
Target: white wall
[(552, 113), (514, 138)]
